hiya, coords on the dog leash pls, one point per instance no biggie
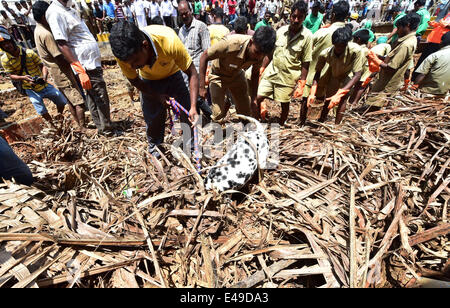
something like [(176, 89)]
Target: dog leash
[(177, 108)]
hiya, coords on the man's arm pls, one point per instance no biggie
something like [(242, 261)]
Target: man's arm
[(254, 81), (193, 89), (66, 51), (203, 65)]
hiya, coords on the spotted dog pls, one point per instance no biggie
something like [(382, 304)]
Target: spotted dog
[(239, 164)]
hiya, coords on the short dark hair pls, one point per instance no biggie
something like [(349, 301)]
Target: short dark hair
[(341, 10), (420, 2), (317, 4), (341, 35), (301, 6), (363, 35), (396, 9), (39, 8), (411, 19), (445, 41), (125, 40), (218, 12), (240, 25), (265, 38), (157, 20)]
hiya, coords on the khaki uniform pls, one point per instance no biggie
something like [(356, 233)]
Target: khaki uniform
[(281, 75), (64, 78), (227, 72), (339, 68), (390, 81), (321, 41), (436, 68)]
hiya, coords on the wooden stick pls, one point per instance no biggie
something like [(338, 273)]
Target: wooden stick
[(429, 234)]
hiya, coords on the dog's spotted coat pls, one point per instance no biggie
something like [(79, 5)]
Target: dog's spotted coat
[(239, 164)]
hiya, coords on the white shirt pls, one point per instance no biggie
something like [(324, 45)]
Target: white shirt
[(261, 8), (155, 10), (30, 17), (66, 25), (175, 8), (272, 6), (166, 8), (139, 8), (226, 11)]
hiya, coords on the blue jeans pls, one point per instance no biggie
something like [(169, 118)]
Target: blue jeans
[(12, 166), (155, 111), (50, 92), (233, 18)]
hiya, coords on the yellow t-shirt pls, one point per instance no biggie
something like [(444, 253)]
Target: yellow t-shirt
[(172, 56), (33, 63)]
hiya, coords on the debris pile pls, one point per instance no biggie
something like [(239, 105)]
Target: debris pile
[(362, 204)]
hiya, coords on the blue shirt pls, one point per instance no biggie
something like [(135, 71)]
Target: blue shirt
[(109, 8)]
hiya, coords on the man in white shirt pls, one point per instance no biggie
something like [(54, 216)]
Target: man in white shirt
[(175, 14), (261, 9), (272, 7), (139, 11), (154, 9), (167, 11), (80, 49)]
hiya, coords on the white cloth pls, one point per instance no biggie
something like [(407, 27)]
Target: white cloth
[(66, 25), (141, 21), (154, 10), (166, 8)]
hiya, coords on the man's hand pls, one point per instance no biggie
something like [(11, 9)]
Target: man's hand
[(202, 92), (27, 78), (84, 78), (336, 98), (255, 109), (312, 95), (193, 116), (374, 62), (300, 87)]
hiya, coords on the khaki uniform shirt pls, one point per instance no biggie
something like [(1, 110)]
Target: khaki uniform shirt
[(288, 57), (381, 49), (399, 61), (321, 41), (436, 68), (352, 60), (48, 50), (228, 57), (339, 68)]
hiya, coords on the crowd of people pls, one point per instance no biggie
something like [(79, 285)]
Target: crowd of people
[(208, 55)]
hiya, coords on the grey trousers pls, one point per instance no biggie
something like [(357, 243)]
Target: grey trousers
[(98, 100)]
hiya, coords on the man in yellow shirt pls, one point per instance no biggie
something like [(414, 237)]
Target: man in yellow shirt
[(343, 58), (322, 38), (159, 56), (290, 62), (231, 57)]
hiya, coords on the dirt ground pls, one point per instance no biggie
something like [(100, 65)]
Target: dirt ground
[(21, 108)]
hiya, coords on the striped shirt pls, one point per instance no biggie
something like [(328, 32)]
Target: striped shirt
[(33, 63), (196, 39)]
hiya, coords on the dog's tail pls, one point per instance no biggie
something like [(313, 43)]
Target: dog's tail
[(259, 127)]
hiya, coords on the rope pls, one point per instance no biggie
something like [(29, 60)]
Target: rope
[(177, 108)]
